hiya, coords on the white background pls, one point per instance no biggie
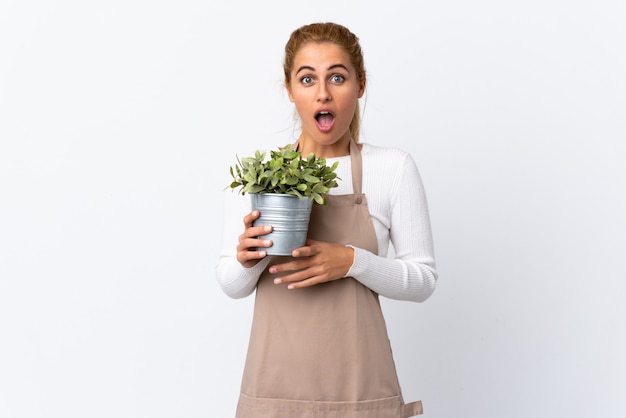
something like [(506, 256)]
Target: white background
[(119, 119)]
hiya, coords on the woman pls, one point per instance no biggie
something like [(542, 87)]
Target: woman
[(319, 345)]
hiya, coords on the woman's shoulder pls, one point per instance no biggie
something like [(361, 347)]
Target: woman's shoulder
[(384, 155)]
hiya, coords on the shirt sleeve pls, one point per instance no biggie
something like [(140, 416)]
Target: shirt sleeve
[(411, 274), (235, 280)]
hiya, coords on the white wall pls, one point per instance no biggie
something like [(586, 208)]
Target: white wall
[(118, 121)]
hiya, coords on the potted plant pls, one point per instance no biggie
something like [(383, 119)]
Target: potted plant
[(283, 189)]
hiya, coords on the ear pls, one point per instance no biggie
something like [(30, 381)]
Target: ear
[(289, 93), (361, 88)]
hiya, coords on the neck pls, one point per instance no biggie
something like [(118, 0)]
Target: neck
[(336, 149)]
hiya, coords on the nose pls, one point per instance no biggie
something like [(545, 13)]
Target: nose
[(323, 94)]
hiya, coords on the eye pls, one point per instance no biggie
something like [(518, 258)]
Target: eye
[(307, 79), (337, 78)]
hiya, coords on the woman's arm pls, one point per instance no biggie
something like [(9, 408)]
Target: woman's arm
[(411, 275), (236, 280)]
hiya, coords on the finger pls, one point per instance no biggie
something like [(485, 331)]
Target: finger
[(304, 252), (251, 255), (250, 229), (250, 258), (291, 266), (301, 275), (250, 218), (252, 244), (311, 248), (255, 231), (312, 281)]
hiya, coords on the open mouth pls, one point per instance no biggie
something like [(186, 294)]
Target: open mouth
[(325, 120)]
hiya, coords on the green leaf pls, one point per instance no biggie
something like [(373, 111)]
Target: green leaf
[(249, 177), (318, 198), (256, 189), (310, 178), (284, 172)]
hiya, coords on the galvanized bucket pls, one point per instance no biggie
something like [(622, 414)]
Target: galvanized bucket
[(288, 215)]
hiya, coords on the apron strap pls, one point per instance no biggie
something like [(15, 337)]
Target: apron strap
[(412, 409), (357, 169)]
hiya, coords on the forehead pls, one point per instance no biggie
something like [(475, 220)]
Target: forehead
[(320, 56)]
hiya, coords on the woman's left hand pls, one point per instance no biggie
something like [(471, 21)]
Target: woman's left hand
[(317, 262)]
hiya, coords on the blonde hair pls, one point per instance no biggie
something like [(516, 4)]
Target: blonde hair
[(338, 35)]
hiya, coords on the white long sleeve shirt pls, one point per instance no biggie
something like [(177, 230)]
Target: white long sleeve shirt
[(398, 207)]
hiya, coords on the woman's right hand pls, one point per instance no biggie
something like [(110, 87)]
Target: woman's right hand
[(250, 248)]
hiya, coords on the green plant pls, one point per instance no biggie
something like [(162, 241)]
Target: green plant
[(286, 171)]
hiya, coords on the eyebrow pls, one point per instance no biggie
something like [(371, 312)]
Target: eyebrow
[(332, 67)]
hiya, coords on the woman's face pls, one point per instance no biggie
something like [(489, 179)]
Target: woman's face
[(325, 91)]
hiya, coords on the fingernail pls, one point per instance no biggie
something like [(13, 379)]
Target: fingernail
[(267, 228), (277, 281), (267, 242), (262, 253), (290, 287), (272, 270)]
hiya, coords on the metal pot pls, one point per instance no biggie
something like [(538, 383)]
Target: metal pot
[(288, 215)]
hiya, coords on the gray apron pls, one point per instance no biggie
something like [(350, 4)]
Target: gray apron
[(323, 351)]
